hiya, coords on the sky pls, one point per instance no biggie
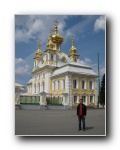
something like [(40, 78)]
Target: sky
[(89, 38)]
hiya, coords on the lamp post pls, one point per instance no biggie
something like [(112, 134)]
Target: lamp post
[(98, 82)]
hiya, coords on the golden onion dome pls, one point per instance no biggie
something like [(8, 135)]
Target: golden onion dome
[(50, 44), (73, 50), (56, 38), (38, 52)]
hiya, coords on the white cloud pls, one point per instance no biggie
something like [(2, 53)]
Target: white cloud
[(99, 24), (102, 71), (87, 60), (25, 70), (18, 60), (36, 27), (21, 67)]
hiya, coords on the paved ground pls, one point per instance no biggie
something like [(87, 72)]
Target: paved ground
[(56, 122)]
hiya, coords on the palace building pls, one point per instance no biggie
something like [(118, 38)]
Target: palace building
[(58, 78)]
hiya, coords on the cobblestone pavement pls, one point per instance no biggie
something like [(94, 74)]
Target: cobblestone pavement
[(58, 122)]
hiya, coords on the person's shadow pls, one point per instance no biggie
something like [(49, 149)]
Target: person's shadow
[(89, 128)]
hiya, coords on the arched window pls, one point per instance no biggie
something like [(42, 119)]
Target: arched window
[(91, 84), (84, 99), (83, 84), (63, 83), (91, 99), (38, 87), (43, 84), (75, 99), (52, 57), (53, 85), (58, 85), (75, 83), (34, 88)]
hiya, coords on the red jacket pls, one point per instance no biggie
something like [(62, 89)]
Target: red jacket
[(84, 110)]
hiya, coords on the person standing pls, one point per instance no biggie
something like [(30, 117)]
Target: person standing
[(81, 112)]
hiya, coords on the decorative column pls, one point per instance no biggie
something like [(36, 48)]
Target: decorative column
[(69, 88)]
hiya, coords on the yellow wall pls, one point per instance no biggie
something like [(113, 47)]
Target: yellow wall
[(61, 91), (79, 91)]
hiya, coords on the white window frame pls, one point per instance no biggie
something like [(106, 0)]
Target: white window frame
[(43, 85), (92, 99), (76, 83), (58, 85), (54, 85), (63, 83), (91, 80), (84, 101), (38, 87), (39, 76), (84, 83), (76, 99), (44, 75), (34, 88), (52, 58)]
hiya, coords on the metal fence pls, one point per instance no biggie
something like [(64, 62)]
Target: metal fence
[(30, 100), (54, 100), (34, 100)]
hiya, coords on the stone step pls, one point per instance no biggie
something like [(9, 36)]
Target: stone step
[(57, 107), (29, 106)]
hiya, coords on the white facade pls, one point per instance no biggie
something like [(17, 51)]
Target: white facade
[(56, 74)]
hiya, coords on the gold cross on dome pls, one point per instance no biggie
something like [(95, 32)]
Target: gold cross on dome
[(39, 40), (73, 37), (56, 22)]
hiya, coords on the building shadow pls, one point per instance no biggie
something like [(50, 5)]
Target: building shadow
[(89, 128)]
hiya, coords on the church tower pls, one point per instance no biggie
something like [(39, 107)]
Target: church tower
[(53, 46), (38, 58), (73, 56)]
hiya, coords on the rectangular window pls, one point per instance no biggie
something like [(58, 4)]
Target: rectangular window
[(43, 75), (63, 83), (91, 99), (84, 99), (83, 84), (38, 87), (90, 85), (74, 84), (35, 88), (43, 86), (54, 85), (52, 57), (75, 99), (58, 85)]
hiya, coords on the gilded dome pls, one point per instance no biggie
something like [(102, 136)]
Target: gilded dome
[(50, 44), (56, 38), (38, 52), (73, 50)]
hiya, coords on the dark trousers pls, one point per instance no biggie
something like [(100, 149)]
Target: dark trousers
[(83, 121)]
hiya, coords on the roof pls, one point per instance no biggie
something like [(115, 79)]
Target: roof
[(79, 64), (30, 81), (74, 68), (19, 85)]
